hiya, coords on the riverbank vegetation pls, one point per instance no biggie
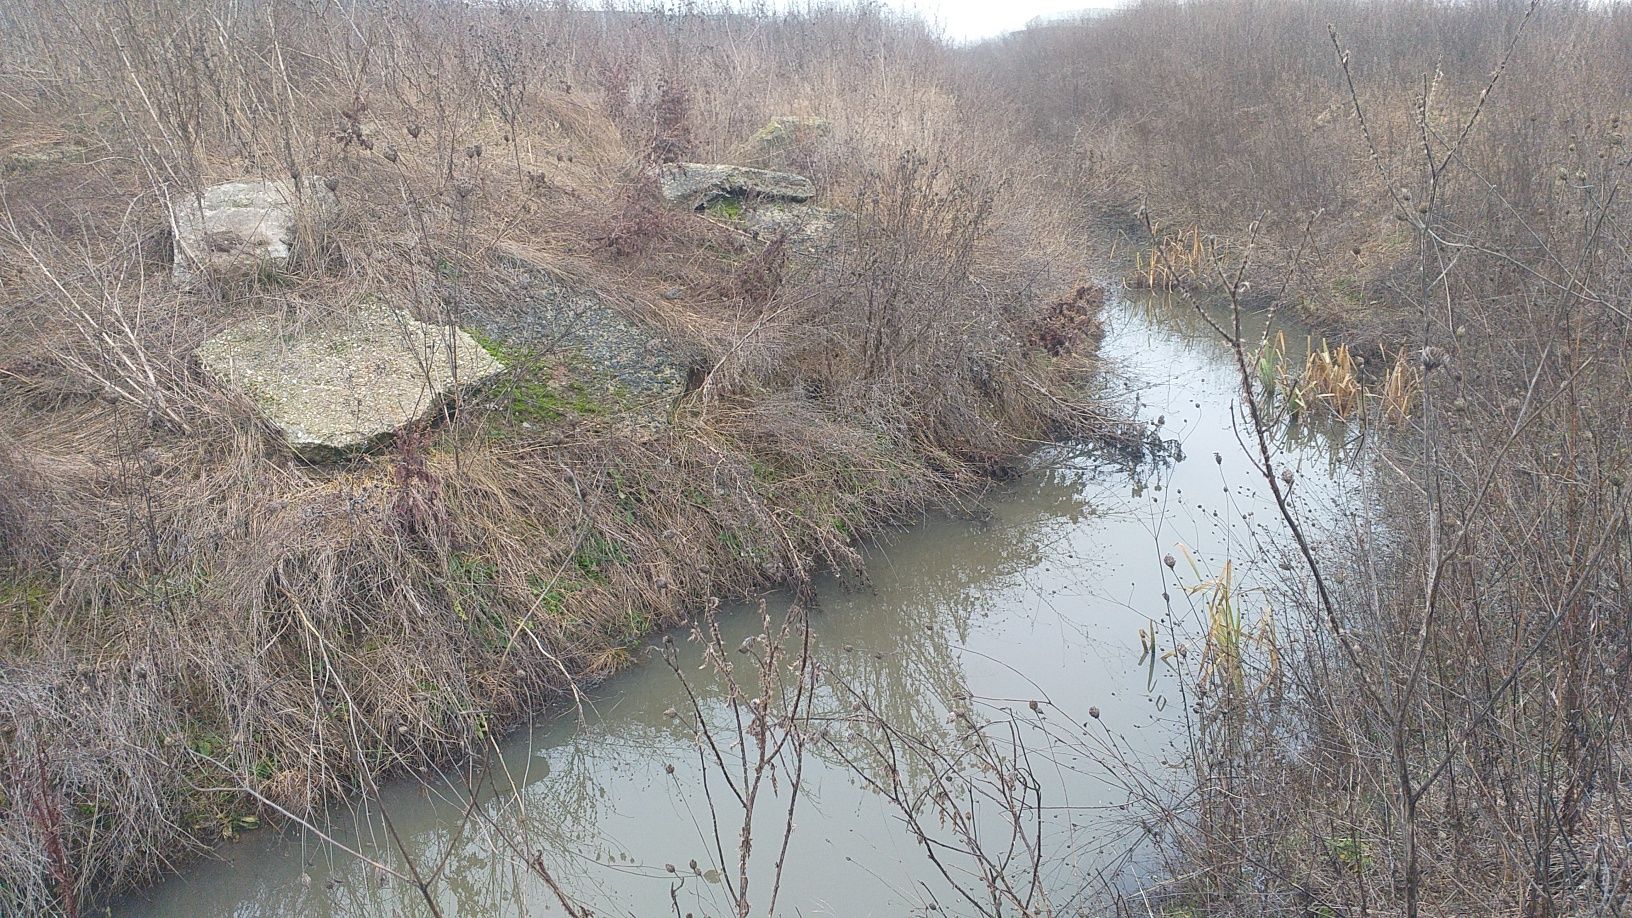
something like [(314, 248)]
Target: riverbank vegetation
[(199, 630), (193, 622), (1442, 731)]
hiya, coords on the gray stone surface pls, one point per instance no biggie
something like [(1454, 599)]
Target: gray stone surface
[(696, 185), (634, 366), (345, 382), (786, 142), (242, 226), (810, 229)]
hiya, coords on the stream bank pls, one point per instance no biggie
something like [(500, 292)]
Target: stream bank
[(1048, 596)]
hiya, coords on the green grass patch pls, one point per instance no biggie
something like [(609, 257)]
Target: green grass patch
[(472, 588), (23, 594), (767, 472), (552, 596), (527, 396), (1350, 291), (639, 623), (727, 208), (1349, 851), (596, 555)]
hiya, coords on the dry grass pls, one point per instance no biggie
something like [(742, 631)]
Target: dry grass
[(1211, 115), (185, 609), (1176, 260)]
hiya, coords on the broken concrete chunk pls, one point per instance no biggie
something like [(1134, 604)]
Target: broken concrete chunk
[(809, 229), (696, 185), (243, 226), (786, 142), (343, 383)]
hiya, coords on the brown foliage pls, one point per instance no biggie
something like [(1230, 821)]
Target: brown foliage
[(1069, 324)]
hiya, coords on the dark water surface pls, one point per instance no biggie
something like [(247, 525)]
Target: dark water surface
[(1042, 596)]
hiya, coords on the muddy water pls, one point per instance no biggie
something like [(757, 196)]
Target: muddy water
[(1041, 595)]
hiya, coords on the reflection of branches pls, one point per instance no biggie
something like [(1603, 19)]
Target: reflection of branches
[(907, 661), (961, 775), (765, 732)]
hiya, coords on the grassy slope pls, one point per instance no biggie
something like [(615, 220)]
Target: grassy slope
[(184, 606)]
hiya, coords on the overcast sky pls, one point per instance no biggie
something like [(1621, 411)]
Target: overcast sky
[(967, 20)]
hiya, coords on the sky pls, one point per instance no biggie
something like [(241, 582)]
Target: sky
[(971, 20)]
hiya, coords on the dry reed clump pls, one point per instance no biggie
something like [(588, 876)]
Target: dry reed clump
[(1177, 261), (194, 624)]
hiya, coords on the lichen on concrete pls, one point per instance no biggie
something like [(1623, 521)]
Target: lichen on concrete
[(342, 383), (810, 229), (696, 185), (244, 225), (786, 142)]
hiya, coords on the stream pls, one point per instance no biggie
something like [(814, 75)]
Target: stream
[(1042, 596)]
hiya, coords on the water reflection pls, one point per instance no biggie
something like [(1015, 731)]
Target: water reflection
[(1041, 598)]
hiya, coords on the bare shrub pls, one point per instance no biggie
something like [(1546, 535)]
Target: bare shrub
[(641, 220), (1444, 730)]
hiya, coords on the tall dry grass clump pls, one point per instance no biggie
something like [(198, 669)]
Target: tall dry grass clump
[(198, 630)]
